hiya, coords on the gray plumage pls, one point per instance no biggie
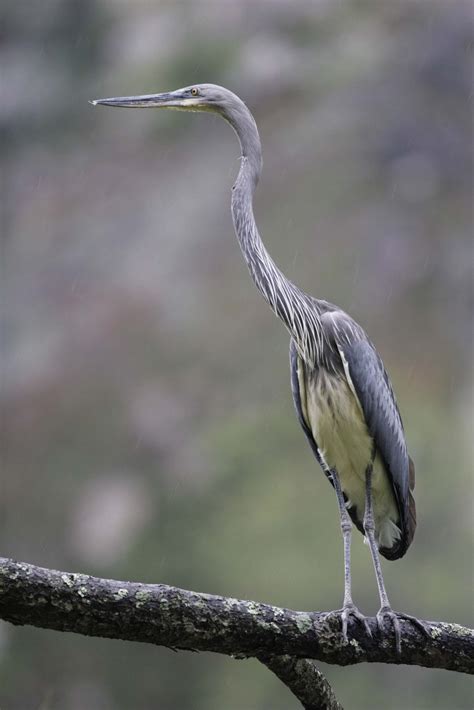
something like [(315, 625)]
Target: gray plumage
[(384, 423), (342, 394)]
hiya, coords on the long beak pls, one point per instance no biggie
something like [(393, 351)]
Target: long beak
[(169, 99)]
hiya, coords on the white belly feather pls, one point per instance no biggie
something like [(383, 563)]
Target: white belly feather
[(335, 417)]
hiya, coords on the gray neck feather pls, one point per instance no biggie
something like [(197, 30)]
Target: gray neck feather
[(298, 311)]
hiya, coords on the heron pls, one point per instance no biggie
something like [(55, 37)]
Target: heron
[(342, 394)]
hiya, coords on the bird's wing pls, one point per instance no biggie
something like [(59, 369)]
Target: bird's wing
[(368, 379)]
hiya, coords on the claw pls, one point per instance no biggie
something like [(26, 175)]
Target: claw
[(394, 617), (345, 613), (380, 618), (420, 625), (352, 610)]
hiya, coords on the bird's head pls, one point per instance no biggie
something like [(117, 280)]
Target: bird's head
[(203, 97), (198, 97)]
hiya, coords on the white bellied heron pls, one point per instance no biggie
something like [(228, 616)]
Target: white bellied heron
[(342, 394)]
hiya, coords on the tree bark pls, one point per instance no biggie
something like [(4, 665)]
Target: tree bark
[(305, 681), (282, 639)]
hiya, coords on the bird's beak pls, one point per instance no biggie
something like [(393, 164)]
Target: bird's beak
[(168, 99)]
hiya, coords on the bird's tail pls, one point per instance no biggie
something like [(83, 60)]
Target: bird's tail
[(408, 526)]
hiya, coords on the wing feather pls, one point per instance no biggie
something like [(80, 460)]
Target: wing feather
[(374, 391)]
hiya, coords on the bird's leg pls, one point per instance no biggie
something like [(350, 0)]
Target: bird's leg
[(385, 607), (369, 529), (348, 606), (346, 529)]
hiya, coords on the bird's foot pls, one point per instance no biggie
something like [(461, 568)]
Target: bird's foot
[(348, 611), (395, 617)]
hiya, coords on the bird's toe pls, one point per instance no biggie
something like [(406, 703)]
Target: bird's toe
[(395, 617), (350, 611), (385, 612)]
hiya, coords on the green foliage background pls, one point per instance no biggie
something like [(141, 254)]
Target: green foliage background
[(148, 425)]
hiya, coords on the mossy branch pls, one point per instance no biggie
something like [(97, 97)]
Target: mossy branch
[(305, 681), (180, 619)]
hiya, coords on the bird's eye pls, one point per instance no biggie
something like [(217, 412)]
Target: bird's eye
[(194, 91)]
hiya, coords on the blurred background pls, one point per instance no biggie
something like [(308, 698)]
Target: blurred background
[(148, 427)]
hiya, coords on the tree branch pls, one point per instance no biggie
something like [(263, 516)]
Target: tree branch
[(305, 681), (172, 617)]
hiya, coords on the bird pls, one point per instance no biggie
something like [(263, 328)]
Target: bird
[(342, 394)]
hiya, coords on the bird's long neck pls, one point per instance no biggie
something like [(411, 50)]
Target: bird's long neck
[(298, 311)]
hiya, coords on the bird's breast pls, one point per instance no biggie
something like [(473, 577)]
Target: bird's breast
[(338, 425)]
